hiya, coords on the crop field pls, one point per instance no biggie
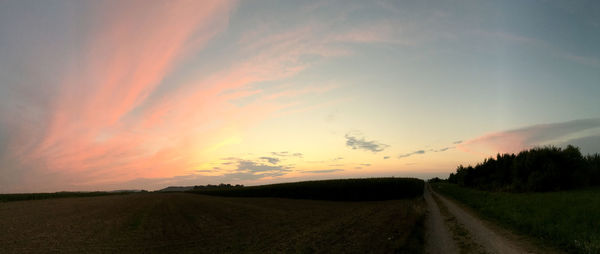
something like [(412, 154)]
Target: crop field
[(364, 189), (569, 220), (192, 223), (38, 196)]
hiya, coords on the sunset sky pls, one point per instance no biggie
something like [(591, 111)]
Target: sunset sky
[(104, 95)]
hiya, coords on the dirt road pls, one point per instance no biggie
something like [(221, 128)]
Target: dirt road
[(438, 238), (451, 229)]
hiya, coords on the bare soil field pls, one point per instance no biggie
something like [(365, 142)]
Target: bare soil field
[(191, 223)]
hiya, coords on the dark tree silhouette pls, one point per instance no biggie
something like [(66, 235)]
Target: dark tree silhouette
[(539, 169)]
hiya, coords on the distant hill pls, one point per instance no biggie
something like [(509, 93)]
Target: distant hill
[(125, 191), (176, 189)]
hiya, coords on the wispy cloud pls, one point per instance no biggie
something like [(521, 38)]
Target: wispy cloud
[(128, 107), (362, 165), (287, 154), (322, 171), (84, 131), (252, 167), (515, 140), (363, 144), (271, 160), (433, 150), (442, 149), (246, 169), (411, 154)]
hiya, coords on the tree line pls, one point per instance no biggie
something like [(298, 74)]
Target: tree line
[(217, 186), (539, 169), (365, 189)]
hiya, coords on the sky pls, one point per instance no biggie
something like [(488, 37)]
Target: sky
[(105, 95)]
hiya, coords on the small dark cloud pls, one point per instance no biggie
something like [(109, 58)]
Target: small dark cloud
[(336, 165), (365, 164), (282, 154), (323, 171), (286, 154), (457, 142), (254, 170), (410, 154), (251, 166), (229, 160), (386, 157), (439, 150), (338, 158), (362, 144), (271, 160), (443, 149)]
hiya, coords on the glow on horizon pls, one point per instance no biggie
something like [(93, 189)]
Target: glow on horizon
[(145, 94)]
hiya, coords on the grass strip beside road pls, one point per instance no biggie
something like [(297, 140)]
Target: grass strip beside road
[(568, 220)]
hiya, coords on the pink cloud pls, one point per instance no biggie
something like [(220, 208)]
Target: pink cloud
[(130, 47), (498, 142), (107, 123), (512, 141)]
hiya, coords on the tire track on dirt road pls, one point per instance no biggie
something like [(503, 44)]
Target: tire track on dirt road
[(438, 238), (467, 233)]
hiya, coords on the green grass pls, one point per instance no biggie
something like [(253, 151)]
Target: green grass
[(366, 189), (37, 196), (569, 220)]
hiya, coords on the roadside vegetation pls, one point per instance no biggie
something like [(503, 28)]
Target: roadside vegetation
[(550, 193), (342, 190), (568, 220)]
